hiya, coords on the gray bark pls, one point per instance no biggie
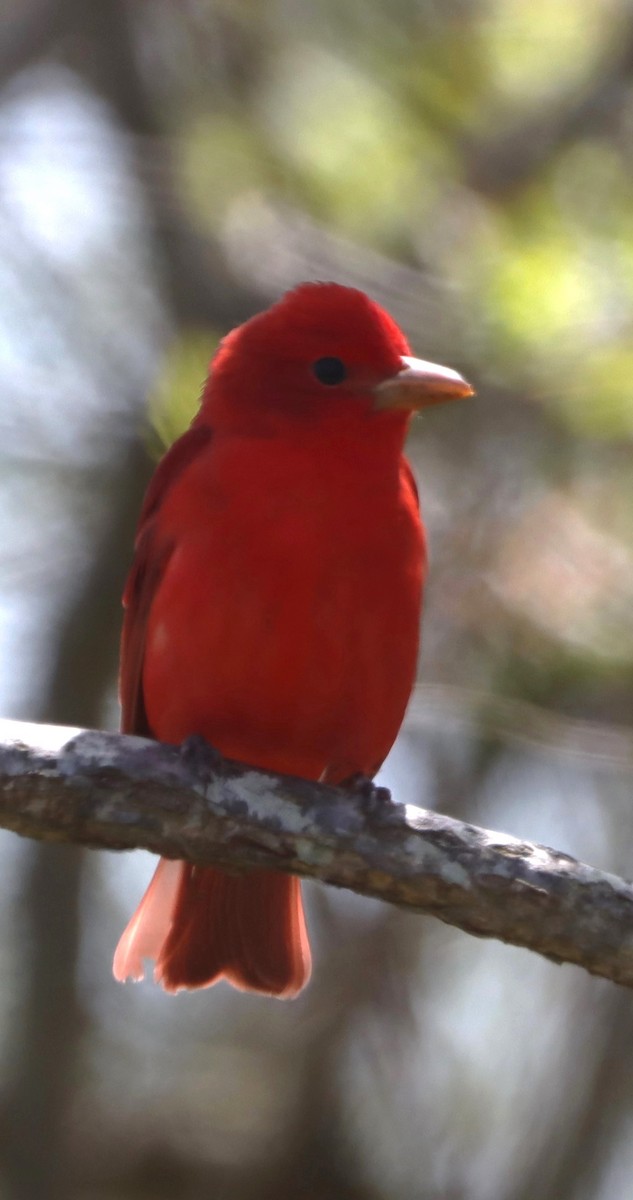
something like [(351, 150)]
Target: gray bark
[(116, 792)]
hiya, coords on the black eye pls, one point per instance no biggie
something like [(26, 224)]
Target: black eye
[(329, 371)]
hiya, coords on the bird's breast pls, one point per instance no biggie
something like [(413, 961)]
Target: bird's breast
[(285, 629)]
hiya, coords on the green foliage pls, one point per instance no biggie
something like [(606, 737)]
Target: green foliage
[(175, 401), (535, 47)]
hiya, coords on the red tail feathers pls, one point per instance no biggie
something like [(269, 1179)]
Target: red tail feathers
[(201, 925)]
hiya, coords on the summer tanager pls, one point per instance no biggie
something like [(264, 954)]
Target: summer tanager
[(273, 605)]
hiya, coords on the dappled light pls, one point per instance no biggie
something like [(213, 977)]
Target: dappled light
[(167, 170)]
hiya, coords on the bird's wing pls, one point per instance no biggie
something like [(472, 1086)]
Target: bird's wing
[(410, 478), (151, 555)]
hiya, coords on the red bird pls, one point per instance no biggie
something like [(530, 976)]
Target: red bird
[(273, 605)]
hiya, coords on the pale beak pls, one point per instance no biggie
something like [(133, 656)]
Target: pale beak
[(420, 384)]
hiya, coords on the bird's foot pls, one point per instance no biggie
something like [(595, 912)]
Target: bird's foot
[(201, 757), (375, 801)]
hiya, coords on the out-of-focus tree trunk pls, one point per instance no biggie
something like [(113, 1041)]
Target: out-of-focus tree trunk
[(38, 1162)]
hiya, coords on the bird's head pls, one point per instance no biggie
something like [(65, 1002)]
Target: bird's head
[(326, 355)]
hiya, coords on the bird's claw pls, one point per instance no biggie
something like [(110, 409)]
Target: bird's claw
[(375, 801), (201, 757)]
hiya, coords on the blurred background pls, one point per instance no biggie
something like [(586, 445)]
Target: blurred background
[(168, 167)]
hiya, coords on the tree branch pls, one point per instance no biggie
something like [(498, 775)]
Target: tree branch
[(113, 792)]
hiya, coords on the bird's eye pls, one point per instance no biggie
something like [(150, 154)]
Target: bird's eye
[(329, 371)]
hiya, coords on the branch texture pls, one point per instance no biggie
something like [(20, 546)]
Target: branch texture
[(117, 792)]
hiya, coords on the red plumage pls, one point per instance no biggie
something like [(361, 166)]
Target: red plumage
[(274, 601)]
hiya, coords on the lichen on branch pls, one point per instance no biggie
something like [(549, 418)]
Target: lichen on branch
[(116, 792)]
